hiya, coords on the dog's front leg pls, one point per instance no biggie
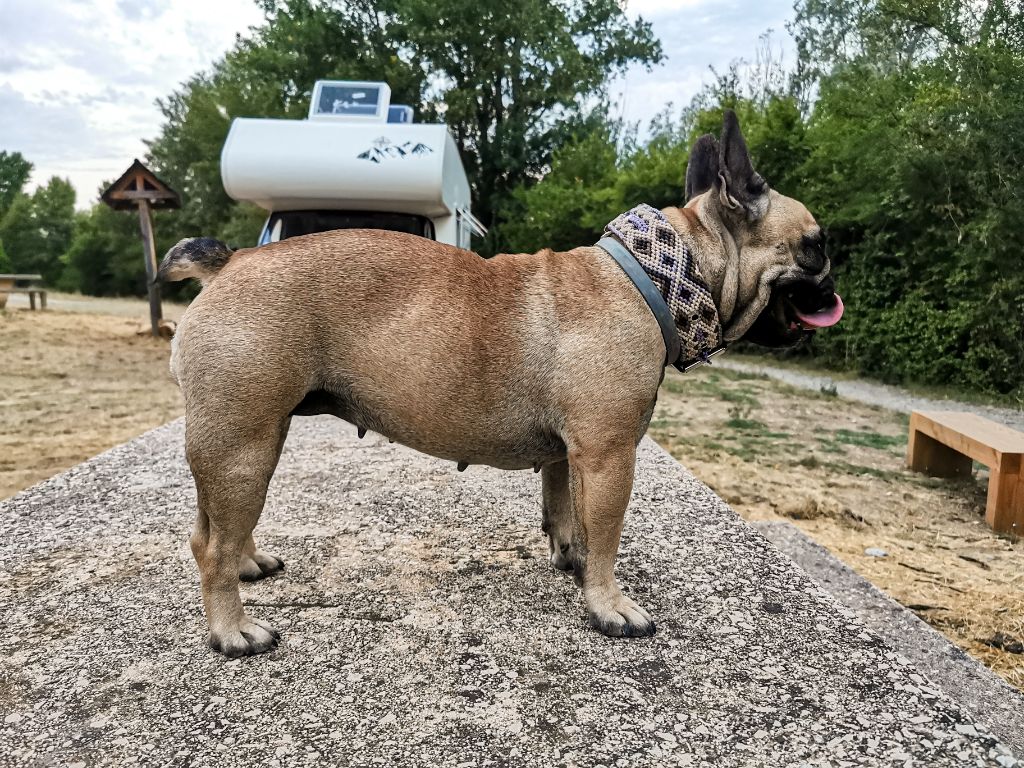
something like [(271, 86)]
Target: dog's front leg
[(600, 483)]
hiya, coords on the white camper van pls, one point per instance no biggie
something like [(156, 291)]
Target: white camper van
[(357, 161)]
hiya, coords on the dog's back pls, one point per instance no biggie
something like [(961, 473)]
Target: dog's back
[(426, 343)]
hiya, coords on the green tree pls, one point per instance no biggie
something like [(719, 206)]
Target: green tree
[(913, 168), (595, 176), (37, 229), (14, 173), (270, 73), (515, 78), (5, 262), (570, 205), (105, 256), (512, 82)]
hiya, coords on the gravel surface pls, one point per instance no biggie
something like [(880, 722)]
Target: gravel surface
[(423, 626), (893, 398), (975, 687)]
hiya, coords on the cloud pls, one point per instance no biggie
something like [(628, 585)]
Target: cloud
[(142, 10), (649, 8), (697, 35), (79, 80)]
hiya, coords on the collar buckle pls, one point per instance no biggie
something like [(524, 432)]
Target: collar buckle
[(704, 359)]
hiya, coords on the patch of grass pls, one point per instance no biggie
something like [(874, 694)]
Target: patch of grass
[(744, 396), (717, 385), (749, 425), (868, 439), (811, 462), (740, 418), (744, 375), (712, 387), (674, 384), (747, 450), (830, 446), (743, 451), (859, 469), (892, 476)]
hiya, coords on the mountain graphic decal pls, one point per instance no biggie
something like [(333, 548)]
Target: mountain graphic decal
[(385, 149)]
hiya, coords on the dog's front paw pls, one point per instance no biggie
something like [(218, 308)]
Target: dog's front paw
[(259, 566), (247, 638), (618, 616)]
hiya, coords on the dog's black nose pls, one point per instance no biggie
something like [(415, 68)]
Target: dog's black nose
[(811, 255)]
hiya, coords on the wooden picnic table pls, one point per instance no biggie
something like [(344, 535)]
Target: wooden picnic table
[(30, 284)]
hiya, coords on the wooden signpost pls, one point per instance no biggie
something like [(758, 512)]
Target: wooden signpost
[(139, 187)]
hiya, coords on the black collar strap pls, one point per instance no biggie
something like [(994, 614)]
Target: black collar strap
[(654, 258)]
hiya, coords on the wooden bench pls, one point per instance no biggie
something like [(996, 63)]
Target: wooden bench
[(943, 444), (30, 284)]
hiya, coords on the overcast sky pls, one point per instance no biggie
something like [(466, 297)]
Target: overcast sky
[(79, 78)]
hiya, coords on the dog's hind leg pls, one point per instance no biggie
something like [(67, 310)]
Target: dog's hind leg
[(556, 514), (600, 483), (232, 463), (255, 564)]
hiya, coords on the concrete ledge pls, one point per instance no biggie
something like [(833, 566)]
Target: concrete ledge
[(423, 626), (981, 692)]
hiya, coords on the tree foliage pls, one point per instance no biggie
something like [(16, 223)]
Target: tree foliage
[(5, 261), (270, 73), (915, 168), (901, 126), (14, 173), (36, 229), (511, 81)]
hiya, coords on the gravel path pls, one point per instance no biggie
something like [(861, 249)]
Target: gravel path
[(423, 625), (883, 395)]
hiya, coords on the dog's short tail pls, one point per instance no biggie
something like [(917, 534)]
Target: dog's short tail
[(198, 257)]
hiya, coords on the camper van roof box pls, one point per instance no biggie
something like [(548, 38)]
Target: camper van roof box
[(356, 152), (350, 101)]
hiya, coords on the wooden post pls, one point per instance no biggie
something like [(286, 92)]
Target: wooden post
[(149, 253), (139, 188)]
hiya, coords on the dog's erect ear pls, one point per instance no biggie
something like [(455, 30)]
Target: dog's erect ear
[(740, 186), (702, 169)]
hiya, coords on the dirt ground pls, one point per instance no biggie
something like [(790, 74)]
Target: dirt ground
[(73, 385), (835, 469), (78, 379)]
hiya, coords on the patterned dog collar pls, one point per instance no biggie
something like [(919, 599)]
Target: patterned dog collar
[(670, 283)]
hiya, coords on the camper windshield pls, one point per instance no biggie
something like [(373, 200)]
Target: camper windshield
[(287, 224)]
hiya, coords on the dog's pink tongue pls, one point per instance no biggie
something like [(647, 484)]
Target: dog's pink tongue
[(823, 318)]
